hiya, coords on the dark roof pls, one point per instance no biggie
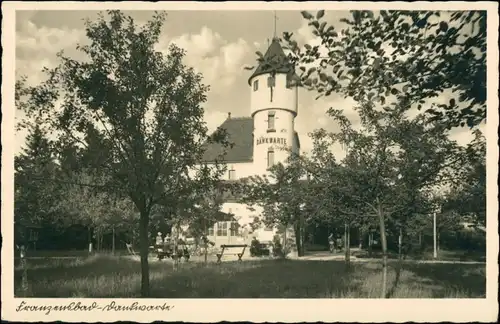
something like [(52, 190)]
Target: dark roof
[(274, 52), (240, 135)]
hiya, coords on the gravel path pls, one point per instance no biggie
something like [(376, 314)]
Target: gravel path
[(319, 256), (327, 257)]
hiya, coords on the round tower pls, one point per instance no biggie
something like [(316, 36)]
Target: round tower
[(274, 106)]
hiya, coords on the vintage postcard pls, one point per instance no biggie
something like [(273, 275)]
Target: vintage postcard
[(250, 161)]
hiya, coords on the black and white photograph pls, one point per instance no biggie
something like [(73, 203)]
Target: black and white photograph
[(256, 153)]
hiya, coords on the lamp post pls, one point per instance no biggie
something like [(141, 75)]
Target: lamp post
[(299, 232)]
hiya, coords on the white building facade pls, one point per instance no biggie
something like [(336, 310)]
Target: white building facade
[(265, 138)]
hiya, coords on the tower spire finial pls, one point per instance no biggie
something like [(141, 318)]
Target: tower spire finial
[(275, 19)]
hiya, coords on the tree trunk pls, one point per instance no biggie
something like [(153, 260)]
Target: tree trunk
[(383, 240), (90, 240), (206, 252), (298, 239), (420, 240), (400, 244), (205, 242), (98, 239), (113, 241), (347, 244), (302, 237), (144, 250), (370, 244), (284, 240), (176, 246)]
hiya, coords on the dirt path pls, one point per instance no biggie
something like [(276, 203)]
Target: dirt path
[(324, 256)]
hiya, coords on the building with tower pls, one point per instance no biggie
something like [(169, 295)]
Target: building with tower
[(259, 141)]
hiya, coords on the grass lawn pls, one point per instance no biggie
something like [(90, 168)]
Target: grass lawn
[(119, 277)]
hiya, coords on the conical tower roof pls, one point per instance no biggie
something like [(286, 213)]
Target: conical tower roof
[(274, 53)]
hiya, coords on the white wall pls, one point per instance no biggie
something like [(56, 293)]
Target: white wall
[(245, 216), (283, 97), (242, 170), (284, 107)]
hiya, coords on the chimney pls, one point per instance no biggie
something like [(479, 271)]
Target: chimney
[(228, 115)]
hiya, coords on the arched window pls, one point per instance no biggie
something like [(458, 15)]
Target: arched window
[(289, 80), (271, 82), (271, 118), (256, 85), (270, 158)]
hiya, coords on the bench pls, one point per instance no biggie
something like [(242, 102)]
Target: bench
[(130, 249), (226, 247)]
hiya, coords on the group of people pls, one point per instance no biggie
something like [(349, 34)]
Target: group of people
[(166, 244), (335, 244)]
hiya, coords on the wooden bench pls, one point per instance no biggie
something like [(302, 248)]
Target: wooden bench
[(130, 249), (225, 247)]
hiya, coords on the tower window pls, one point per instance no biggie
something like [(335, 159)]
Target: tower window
[(232, 174), (271, 116), (256, 85), (270, 158), (289, 80), (271, 82)]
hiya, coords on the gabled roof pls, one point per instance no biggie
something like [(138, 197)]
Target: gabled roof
[(274, 52), (240, 134)]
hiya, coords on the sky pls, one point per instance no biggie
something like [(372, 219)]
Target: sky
[(219, 44)]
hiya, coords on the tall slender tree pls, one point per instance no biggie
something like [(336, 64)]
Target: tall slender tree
[(144, 108), (35, 201)]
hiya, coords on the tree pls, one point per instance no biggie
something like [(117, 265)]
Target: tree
[(468, 193), (207, 211), (34, 200), (391, 162), (283, 196), (331, 186), (101, 211), (411, 56), (144, 110)]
